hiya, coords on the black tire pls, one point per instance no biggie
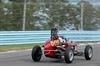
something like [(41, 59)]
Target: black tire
[(69, 55), (88, 52), (36, 53)]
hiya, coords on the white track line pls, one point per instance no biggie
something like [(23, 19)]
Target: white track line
[(80, 44), (98, 43), (15, 51)]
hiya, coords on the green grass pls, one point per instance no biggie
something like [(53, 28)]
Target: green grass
[(4, 48)]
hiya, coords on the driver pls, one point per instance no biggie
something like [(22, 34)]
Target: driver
[(54, 33), (56, 40)]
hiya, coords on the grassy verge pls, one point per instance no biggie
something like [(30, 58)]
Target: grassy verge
[(4, 48)]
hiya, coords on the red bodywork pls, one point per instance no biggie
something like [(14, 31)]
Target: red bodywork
[(50, 51)]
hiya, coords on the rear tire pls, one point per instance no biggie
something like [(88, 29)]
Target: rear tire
[(69, 55), (88, 52), (36, 53)]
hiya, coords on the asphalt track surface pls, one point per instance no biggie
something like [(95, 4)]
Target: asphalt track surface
[(23, 58)]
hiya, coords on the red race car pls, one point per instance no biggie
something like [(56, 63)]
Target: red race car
[(58, 47)]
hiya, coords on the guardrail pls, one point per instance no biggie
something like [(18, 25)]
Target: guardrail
[(28, 37)]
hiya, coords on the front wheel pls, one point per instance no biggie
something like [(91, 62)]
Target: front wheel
[(36, 53), (69, 55), (88, 52)]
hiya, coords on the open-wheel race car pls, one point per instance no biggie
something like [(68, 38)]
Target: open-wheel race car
[(58, 47)]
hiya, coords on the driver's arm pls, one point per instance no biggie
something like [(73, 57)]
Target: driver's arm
[(62, 41)]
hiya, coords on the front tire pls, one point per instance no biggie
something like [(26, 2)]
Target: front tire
[(88, 52), (69, 55), (36, 53)]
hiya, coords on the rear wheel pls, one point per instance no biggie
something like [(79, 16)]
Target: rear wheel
[(69, 55), (36, 53), (88, 52)]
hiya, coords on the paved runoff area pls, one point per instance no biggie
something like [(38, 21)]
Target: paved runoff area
[(23, 58)]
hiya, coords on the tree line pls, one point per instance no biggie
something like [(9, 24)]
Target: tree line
[(43, 14)]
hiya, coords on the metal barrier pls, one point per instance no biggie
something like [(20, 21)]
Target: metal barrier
[(28, 37)]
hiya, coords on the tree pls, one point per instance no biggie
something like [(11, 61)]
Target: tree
[(5, 17), (30, 8), (1, 16), (17, 15), (88, 16), (30, 19), (8, 18), (43, 14), (97, 17), (58, 12)]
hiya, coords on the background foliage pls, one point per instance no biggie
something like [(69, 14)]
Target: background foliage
[(43, 14)]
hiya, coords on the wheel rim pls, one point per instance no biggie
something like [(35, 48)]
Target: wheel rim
[(39, 54), (90, 53), (71, 55)]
